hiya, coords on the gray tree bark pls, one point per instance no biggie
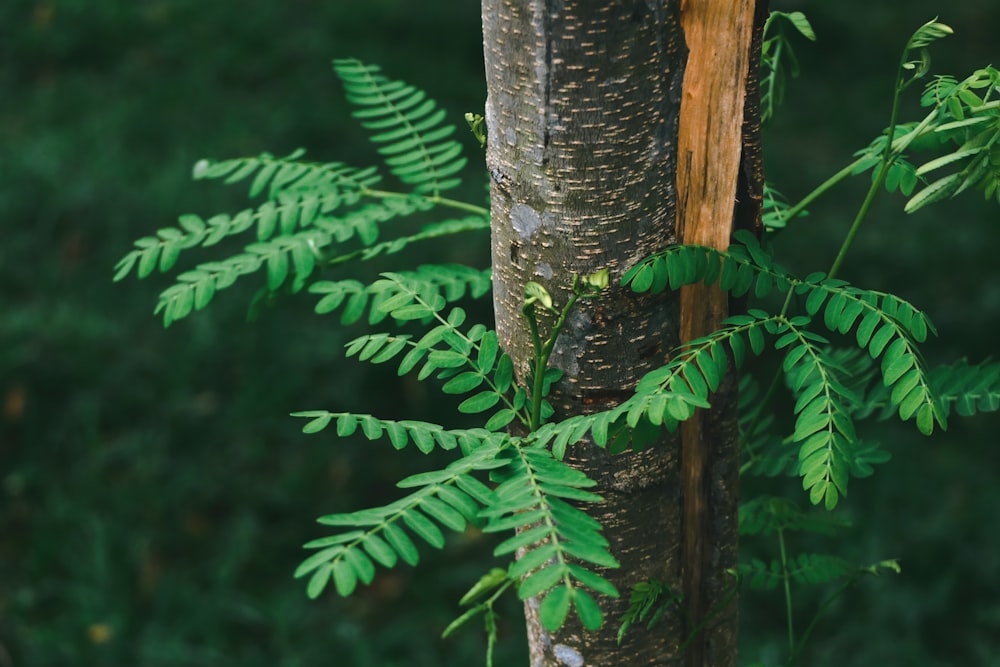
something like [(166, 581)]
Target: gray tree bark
[(584, 101)]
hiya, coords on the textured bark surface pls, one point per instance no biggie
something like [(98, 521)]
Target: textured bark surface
[(582, 115)]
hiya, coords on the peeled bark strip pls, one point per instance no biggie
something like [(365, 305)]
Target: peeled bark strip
[(711, 144)]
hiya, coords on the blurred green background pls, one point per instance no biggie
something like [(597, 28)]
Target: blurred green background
[(153, 491)]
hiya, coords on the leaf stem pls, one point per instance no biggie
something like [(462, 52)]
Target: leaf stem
[(821, 189), (537, 374), (489, 620), (543, 351), (788, 594), (460, 205), (436, 200), (880, 175), (898, 146), (815, 619)]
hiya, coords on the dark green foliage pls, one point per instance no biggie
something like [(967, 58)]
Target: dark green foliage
[(312, 212), (529, 499), (449, 498), (532, 487), (780, 518), (647, 603), (408, 128), (561, 541), (167, 458), (484, 593), (960, 131), (968, 388), (804, 569), (452, 282), (778, 58), (831, 386), (882, 324), (775, 209), (425, 436)]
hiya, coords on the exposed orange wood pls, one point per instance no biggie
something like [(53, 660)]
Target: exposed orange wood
[(718, 35)]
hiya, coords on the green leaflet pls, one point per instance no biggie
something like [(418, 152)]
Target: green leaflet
[(778, 61), (552, 531), (887, 327), (401, 433), (407, 127), (445, 498), (561, 540)]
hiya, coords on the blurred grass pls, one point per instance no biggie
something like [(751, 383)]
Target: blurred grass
[(153, 492)]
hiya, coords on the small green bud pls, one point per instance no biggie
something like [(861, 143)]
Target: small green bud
[(535, 293), (478, 126), (597, 281)]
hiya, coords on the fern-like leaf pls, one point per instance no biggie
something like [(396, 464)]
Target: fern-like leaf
[(743, 268), (291, 206), (666, 396), (425, 436), (824, 431), (427, 232), (277, 176), (449, 281), (312, 209), (450, 498), (467, 360), (409, 128), (803, 569), (767, 515), (926, 34), (775, 209), (968, 388), (559, 542), (288, 254), (670, 395), (778, 60), (889, 328), (967, 124), (647, 603)]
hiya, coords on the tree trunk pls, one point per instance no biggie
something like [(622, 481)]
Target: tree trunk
[(583, 108)]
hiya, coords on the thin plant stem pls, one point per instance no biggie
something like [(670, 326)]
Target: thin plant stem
[(534, 416), (898, 146), (821, 189), (788, 595), (436, 200), (815, 619), (543, 351), (490, 621), (880, 175), (883, 170)]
